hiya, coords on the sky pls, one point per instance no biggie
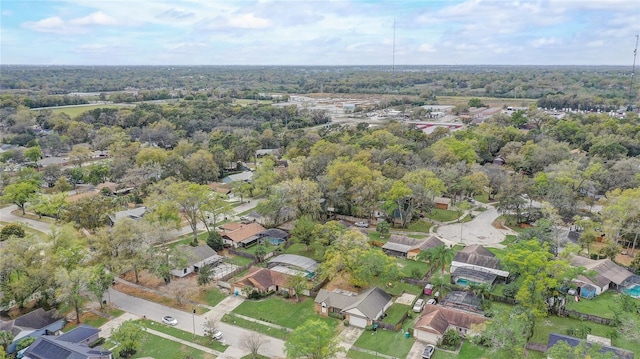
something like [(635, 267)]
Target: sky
[(318, 32)]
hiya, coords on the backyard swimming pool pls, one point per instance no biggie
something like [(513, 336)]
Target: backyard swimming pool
[(633, 291), (464, 282)]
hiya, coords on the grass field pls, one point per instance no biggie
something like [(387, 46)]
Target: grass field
[(282, 312), (600, 305), (256, 327), (386, 342), (395, 313), (489, 101), (181, 334), (442, 215), (152, 346), (74, 111)]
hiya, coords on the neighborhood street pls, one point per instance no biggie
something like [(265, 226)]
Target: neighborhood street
[(479, 231), (190, 322), (7, 216)]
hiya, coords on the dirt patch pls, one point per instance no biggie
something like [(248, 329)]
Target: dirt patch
[(341, 282), (146, 279), (499, 224), (622, 259)]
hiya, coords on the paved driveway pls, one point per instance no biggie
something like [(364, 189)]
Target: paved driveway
[(189, 322)]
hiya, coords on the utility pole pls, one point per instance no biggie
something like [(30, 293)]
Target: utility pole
[(633, 70)]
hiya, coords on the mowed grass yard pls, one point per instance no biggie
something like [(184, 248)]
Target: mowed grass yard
[(383, 341), (74, 111), (283, 312), (152, 346)]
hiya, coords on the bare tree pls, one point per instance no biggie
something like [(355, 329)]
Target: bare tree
[(180, 290), (252, 342), (209, 327)]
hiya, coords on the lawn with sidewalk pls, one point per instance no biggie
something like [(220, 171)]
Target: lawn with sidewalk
[(390, 343), (153, 346), (283, 312), (181, 334), (256, 327)]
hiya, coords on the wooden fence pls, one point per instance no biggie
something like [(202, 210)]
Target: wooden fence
[(238, 253), (584, 316), (536, 347)]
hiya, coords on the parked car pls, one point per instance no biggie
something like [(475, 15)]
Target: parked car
[(169, 320), (419, 305), (361, 224), (217, 335), (428, 289), (428, 351), (432, 301)]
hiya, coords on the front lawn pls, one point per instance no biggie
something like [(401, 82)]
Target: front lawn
[(256, 327), (386, 342), (410, 267), (212, 296), (286, 313), (395, 313), (181, 334), (442, 215), (420, 226), (152, 346)]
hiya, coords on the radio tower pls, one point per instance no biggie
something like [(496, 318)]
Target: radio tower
[(393, 57), (633, 70)]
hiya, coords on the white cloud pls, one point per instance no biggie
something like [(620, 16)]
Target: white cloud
[(7, 12), (96, 18), (426, 48), (597, 43), (248, 21), (545, 41)]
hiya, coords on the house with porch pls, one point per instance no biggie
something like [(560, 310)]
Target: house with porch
[(407, 247), (241, 234), (436, 320), (359, 309), (198, 257)]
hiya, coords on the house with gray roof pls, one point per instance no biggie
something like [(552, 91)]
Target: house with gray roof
[(600, 275), (245, 176), (407, 247), (359, 309), (76, 344), (33, 324), (474, 263), (293, 264), (132, 213), (198, 257)]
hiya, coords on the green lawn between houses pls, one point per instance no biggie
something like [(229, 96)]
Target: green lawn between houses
[(283, 312), (600, 305), (181, 334), (152, 346), (395, 313), (442, 215), (385, 342)]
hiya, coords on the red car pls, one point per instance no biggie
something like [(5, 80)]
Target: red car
[(428, 289)]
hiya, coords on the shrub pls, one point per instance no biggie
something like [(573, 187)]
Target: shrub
[(510, 290), (214, 240), (12, 229), (336, 315), (451, 338)]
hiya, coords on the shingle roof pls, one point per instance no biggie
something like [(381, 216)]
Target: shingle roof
[(262, 279), (604, 267), (554, 338), (370, 302), (439, 319), (49, 347), (37, 319), (275, 233), (404, 244), (202, 252), (243, 232), (79, 334), (477, 255)]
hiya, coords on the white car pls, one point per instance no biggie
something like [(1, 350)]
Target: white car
[(428, 351), (419, 305), (361, 224), (217, 335), (169, 320), (431, 301)]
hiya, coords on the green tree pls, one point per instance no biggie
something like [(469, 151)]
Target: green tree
[(314, 339), (304, 231), (99, 282), (6, 338), (89, 212), (80, 154), (33, 154), (242, 189), (261, 252), (382, 227), (438, 257), (20, 193), (25, 342), (298, 283), (12, 229), (129, 335), (215, 241), (72, 288), (205, 275), (476, 102), (510, 331)]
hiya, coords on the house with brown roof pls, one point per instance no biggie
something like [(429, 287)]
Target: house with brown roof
[(436, 320), (407, 247), (262, 280), (222, 188), (474, 263), (442, 202), (241, 235)]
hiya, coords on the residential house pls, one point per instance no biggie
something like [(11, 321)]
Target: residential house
[(262, 280), (245, 176), (74, 344), (133, 213), (275, 152), (600, 275), (33, 324), (466, 301), (359, 309), (476, 264), (293, 264), (222, 188), (442, 202), (113, 189), (436, 320), (604, 343), (241, 235), (407, 247), (198, 257)]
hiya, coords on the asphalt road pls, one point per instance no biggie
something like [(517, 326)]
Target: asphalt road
[(479, 231), (189, 322), (7, 216)]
